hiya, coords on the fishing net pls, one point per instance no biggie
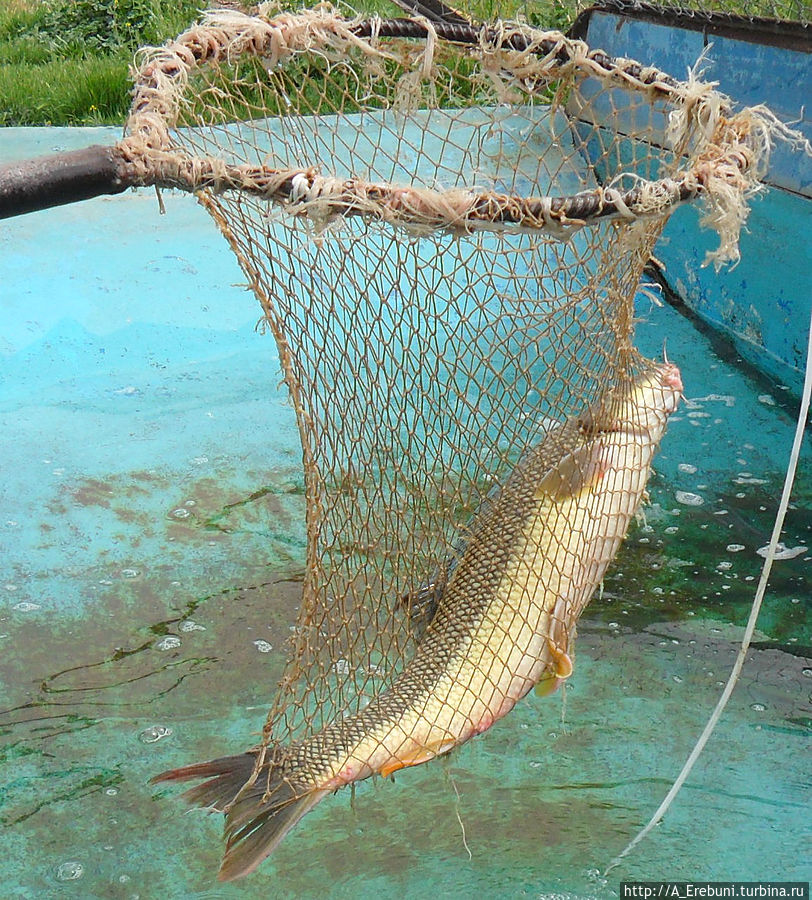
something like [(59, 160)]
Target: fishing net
[(446, 227)]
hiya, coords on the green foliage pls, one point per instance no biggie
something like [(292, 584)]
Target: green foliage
[(78, 27), (65, 62), (65, 92)]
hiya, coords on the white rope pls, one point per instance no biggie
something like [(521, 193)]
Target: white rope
[(803, 412)]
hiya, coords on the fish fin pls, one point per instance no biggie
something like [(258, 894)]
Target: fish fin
[(259, 818), (226, 778), (575, 472), (258, 814), (547, 685), (420, 753), (562, 669), (561, 660)]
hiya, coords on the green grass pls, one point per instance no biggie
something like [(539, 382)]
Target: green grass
[(65, 92), (65, 62)]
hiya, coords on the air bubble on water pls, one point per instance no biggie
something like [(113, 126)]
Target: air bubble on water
[(758, 707), (740, 495), (782, 551), (105, 581), (725, 564), (795, 600), (170, 642), (123, 879), (734, 548), (129, 573), (265, 647), (535, 764), (190, 503), (614, 625), (672, 529), (10, 587), (180, 513), (154, 733), (686, 498), (676, 679), (199, 460), (342, 667), (687, 468), (111, 791), (807, 673), (25, 606), (70, 871), (766, 399), (189, 625)]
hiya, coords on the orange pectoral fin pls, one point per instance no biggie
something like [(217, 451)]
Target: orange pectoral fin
[(561, 660), (561, 669), (417, 755)]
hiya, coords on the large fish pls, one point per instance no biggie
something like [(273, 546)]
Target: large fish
[(504, 621)]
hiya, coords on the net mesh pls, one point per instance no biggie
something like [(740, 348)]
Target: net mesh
[(446, 238)]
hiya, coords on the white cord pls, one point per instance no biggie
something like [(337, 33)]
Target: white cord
[(803, 412)]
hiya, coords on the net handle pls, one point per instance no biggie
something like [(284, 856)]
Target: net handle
[(58, 179)]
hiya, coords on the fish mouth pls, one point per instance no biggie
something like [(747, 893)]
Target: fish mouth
[(671, 381), (671, 377)]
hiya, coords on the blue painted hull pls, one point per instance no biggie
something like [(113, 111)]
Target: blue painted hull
[(764, 303)]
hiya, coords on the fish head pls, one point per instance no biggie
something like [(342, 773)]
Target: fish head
[(641, 406), (652, 397)]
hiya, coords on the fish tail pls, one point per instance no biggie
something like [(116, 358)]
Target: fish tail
[(259, 812)]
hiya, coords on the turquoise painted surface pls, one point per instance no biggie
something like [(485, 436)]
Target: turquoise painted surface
[(151, 544), (764, 303)]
